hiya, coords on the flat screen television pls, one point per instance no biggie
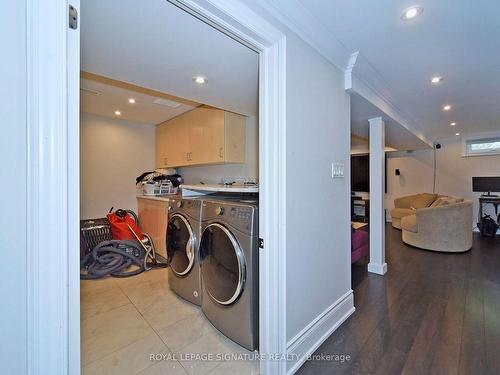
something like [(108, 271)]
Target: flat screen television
[(360, 173), (486, 184)]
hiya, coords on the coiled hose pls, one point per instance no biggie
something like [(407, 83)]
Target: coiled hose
[(113, 258)]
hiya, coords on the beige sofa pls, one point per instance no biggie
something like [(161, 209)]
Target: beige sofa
[(408, 205), (445, 227)]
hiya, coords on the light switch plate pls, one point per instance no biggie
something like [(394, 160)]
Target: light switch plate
[(337, 170)]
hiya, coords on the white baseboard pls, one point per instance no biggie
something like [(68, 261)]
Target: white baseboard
[(300, 347), (380, 269)]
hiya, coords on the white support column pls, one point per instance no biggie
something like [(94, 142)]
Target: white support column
[(377, 180)]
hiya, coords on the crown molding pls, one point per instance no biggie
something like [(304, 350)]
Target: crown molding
[(296, 17), (362, 79), (360, 76)]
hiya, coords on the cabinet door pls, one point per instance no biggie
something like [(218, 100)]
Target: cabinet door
[(234, 138), (153, 220), (212, 139), (171, 145), (195, 140), (162, 146), (179, 143)]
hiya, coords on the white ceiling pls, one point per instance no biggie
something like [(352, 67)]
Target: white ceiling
[(459, 40), (104, 99), (396, 136), (156, 45)]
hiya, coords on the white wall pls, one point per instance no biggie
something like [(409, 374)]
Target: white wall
[(113, 153), (214, 173), (318, 207), (13, 224), (454, 172), (318, 235)]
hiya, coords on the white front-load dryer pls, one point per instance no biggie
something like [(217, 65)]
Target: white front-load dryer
[(183, 233)]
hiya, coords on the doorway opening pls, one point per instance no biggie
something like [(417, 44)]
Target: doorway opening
[(116, 142), (53, 191)]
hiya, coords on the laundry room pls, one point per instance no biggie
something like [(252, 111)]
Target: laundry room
[(169, 193)]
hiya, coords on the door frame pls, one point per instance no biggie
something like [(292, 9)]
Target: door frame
[(53, 179)]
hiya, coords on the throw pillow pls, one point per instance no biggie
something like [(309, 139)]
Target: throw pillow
[(436, 203), (423, 200), (445, 201)]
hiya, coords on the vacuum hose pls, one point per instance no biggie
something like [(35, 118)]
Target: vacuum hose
[(113, 258)]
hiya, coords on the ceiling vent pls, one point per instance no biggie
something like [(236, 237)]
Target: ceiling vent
[(167, 103), (90, 91)]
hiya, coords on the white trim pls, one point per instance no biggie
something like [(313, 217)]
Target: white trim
[(73, 74), (52, 168), (235, 18), (379, 269), (377, 195), (370, 89), (305, 343), (53, 200), (299, 19)]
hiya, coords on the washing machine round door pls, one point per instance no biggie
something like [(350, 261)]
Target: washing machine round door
[(222, 264), (180, 245)]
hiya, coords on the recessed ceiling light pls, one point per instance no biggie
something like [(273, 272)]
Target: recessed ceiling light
[(436, 79), (457, 134), (411, 13), (199, 79), (131, 100), (453, 123), (447, 107), (118, 113)]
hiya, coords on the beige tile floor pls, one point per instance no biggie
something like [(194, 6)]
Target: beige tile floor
[(126, 320)]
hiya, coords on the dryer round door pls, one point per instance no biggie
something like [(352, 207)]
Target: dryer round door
[(180, 245), (222, 264)]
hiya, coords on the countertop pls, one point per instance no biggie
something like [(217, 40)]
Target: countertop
[(163, 198), (189, 190)]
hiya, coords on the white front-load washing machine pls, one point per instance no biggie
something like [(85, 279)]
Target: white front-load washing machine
[(229, 266), (183, 234)]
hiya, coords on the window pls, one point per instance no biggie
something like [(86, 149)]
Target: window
[(484, 146)]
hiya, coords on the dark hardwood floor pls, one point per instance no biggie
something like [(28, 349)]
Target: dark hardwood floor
[(432, 313)]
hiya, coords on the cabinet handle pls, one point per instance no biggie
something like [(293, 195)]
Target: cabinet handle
[(221, 152), (165, 161), (187, 156), (190, 156)]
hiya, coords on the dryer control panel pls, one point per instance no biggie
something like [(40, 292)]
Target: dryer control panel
[(242, 217)]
